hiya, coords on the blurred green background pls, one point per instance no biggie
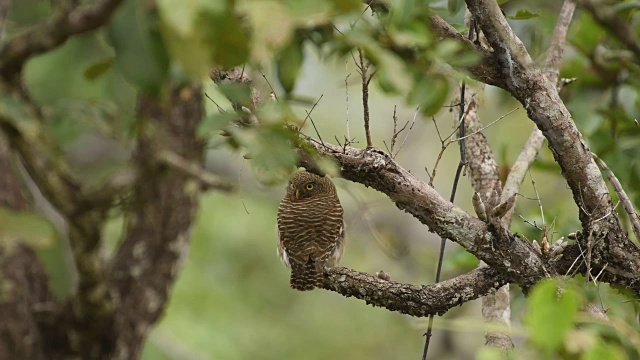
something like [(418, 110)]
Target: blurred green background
[(232, 299)]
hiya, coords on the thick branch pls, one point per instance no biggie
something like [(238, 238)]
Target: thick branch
[(372, 167), (158, 224), (414, 300), (544, 106), (535, 141), (53, 33), (484, 177)]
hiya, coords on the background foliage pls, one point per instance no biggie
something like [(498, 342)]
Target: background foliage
[(232, 300)]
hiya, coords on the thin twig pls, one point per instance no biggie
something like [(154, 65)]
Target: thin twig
[(622, 195), (443, 241), (359, 17), (364, 67), (310, 111), (538, 198), (315, 128), (489, 125), (239, 177), (530, 223), (205, 177), (268, 83), (395, 131), (406, 135), (220, 109), (346, 90), (444, 144)]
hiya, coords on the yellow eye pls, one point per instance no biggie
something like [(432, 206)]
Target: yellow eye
[(309, 187), (291, 186)]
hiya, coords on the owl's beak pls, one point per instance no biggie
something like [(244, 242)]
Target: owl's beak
[(297, 194)]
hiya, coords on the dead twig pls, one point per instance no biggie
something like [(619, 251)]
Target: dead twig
[(363, 67), (485, 127)]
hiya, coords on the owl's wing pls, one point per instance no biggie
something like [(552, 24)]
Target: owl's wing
[(282, 253), (332, 257)]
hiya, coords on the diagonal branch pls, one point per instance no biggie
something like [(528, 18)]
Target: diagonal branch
[(535, 141), (372, 167), (414, 300), (53, 33), (539, 96)]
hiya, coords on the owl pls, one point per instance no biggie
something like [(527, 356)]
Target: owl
[(310, 229)]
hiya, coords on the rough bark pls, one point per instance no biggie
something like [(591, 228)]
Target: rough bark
[(506, 252), (414, 300), (483, 172), (23, 282), (165, 201), (528, 84)]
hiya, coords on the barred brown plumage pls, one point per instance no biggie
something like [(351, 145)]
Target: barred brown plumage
[(310, 229)]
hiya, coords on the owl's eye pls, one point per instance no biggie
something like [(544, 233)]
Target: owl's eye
[(309, 187), (291, 186)]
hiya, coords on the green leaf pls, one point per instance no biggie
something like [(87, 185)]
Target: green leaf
[(386, 81), (344, 6), (310, 12), (551, 314), (586, 34), (98, 68), (25, 227), (214, 123), (236, 93), (140, 52), (454, 6), (270, 152), (276, 113), (272, 26), (289, 64), (430, 92), (604, 351), (524, 15), (225, 36), (189, 53), (181, 14)]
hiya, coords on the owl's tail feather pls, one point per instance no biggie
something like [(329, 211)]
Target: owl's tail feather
[(305, 277)]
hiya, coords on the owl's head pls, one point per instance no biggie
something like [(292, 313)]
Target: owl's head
[(304, 185)]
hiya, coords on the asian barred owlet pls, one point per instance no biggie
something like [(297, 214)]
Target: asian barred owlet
[(310, 229)]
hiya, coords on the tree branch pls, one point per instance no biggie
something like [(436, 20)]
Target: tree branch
[(157, 237), (207, 179), (534, 143), (53, 33), (544, 106), (372, 167), (414, 300), (484, 176)]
